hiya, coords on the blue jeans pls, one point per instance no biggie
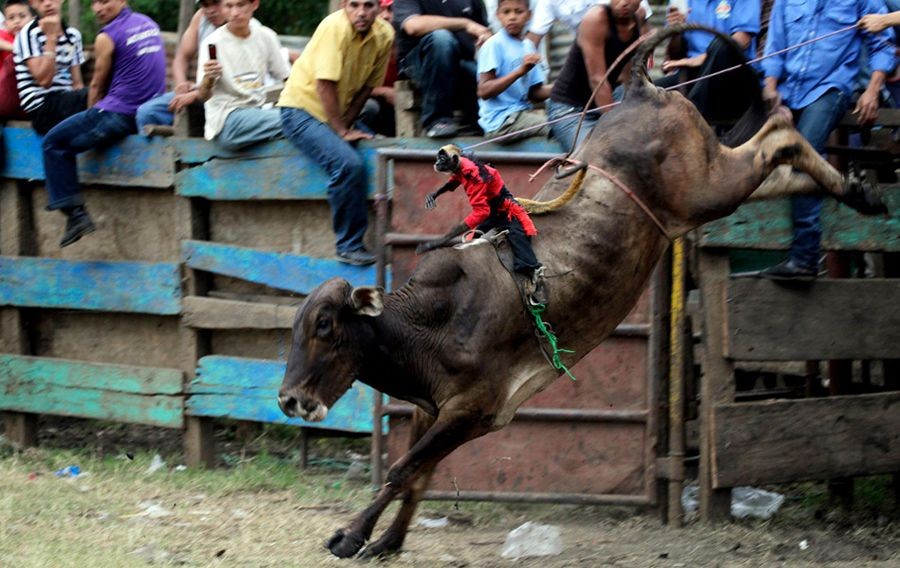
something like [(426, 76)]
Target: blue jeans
[(347, 186), (155, 111), (86, 130), (564, 130), (246, 126), (446, 79), (815, 122)]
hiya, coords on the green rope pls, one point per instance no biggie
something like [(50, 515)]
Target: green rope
[(541, 325)]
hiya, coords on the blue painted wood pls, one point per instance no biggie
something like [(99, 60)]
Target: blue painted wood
[(278, 171), (136, 161), (125, 393), (247, 389), (141, 287), (275, 269)]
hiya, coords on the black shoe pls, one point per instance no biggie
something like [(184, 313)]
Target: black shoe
[(789, 270), (359, 257), (78, 224), (442, 128)]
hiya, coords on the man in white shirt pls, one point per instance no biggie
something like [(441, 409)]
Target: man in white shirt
[(569, 12), (233, 78)]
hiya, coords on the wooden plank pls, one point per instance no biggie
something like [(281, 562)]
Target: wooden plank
[(833, 319), (717, 386), (284, 271), (125, 393), (140, 287), (247, 389), (136, 161), (793, 440), (211, 313), (886, 117), (767, 225)]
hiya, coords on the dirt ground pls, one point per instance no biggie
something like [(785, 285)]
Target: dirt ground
[(259, 510)]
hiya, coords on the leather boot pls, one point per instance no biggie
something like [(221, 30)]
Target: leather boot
[(78, 224)]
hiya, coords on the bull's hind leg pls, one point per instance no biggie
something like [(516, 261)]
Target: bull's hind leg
[(452, 428), (791, 166), (392, 539)]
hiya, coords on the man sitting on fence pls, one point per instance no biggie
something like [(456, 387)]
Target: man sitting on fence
[(438, 39), (129, 69), (48, 57), (346, 58), (161, 109), (233, 85)]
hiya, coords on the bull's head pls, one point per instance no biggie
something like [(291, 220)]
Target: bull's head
[(332, 330)]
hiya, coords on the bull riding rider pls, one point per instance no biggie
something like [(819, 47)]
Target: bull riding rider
[(493, 207)]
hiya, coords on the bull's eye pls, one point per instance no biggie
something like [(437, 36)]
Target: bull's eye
[(323, 327)]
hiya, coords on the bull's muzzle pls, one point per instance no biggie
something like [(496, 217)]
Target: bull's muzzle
[(299, 406)]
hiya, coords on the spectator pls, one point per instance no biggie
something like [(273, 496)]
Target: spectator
[(723, 98), (378, 113), (160, 110), (345, 59), (233, 85), (570, 13), (510, 77), (816, 82), (48, 58), (603, 35), (16, 14), (438, 39), (129, 69)]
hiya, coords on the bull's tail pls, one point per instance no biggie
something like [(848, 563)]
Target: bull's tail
[(539, 207), (749, 123), (639, 75)]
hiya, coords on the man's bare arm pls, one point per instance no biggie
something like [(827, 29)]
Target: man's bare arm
[(356, 105), (104, 48), (77, 78), (592, 40), (187, 51), (418, 26)]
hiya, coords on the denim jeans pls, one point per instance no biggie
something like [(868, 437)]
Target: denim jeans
[(87, 130), (564, 130), (447, 81), (247, 126), (155, 111), (347, 182), (815, 122)]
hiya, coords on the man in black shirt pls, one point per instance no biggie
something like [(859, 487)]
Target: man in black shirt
[(438, 39)]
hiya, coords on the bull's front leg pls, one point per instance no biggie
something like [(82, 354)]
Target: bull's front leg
[(450, 430)]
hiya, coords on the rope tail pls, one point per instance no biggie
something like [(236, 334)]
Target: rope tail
[(545, 331), (540, 207)]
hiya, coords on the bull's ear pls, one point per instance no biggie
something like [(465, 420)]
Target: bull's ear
[(367, 301)]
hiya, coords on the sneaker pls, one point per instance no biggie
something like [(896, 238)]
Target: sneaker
[(78, 224), (442, 128), (789, 270), (359, 257)]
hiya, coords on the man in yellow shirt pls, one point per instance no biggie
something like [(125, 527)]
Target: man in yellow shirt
[(345, 59)]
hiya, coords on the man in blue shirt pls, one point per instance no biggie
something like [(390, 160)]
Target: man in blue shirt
[(816, 83), (695, 54)]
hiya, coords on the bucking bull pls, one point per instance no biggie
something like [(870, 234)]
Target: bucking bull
[(456, 340)]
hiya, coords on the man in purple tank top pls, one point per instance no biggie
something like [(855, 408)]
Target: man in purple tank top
[(129, 69)]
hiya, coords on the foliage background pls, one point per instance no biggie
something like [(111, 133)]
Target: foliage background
[(287, 17)]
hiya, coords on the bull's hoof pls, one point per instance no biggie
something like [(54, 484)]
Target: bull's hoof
[(345, 543), (863, 196), (380, 549)]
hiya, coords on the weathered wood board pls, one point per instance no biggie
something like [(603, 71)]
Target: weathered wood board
[(290, 272), (767, 225), (211, 313), (125, 393), (832, 319), (136, 161), (141, 287), (247, 389), (793, 440)]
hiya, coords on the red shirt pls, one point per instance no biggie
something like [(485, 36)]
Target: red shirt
[(478, 190)]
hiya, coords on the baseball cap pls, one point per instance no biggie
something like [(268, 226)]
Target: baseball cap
[(386, 3)]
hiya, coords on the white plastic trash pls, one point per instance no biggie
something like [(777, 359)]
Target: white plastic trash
[(532, 539), (745, 501)]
